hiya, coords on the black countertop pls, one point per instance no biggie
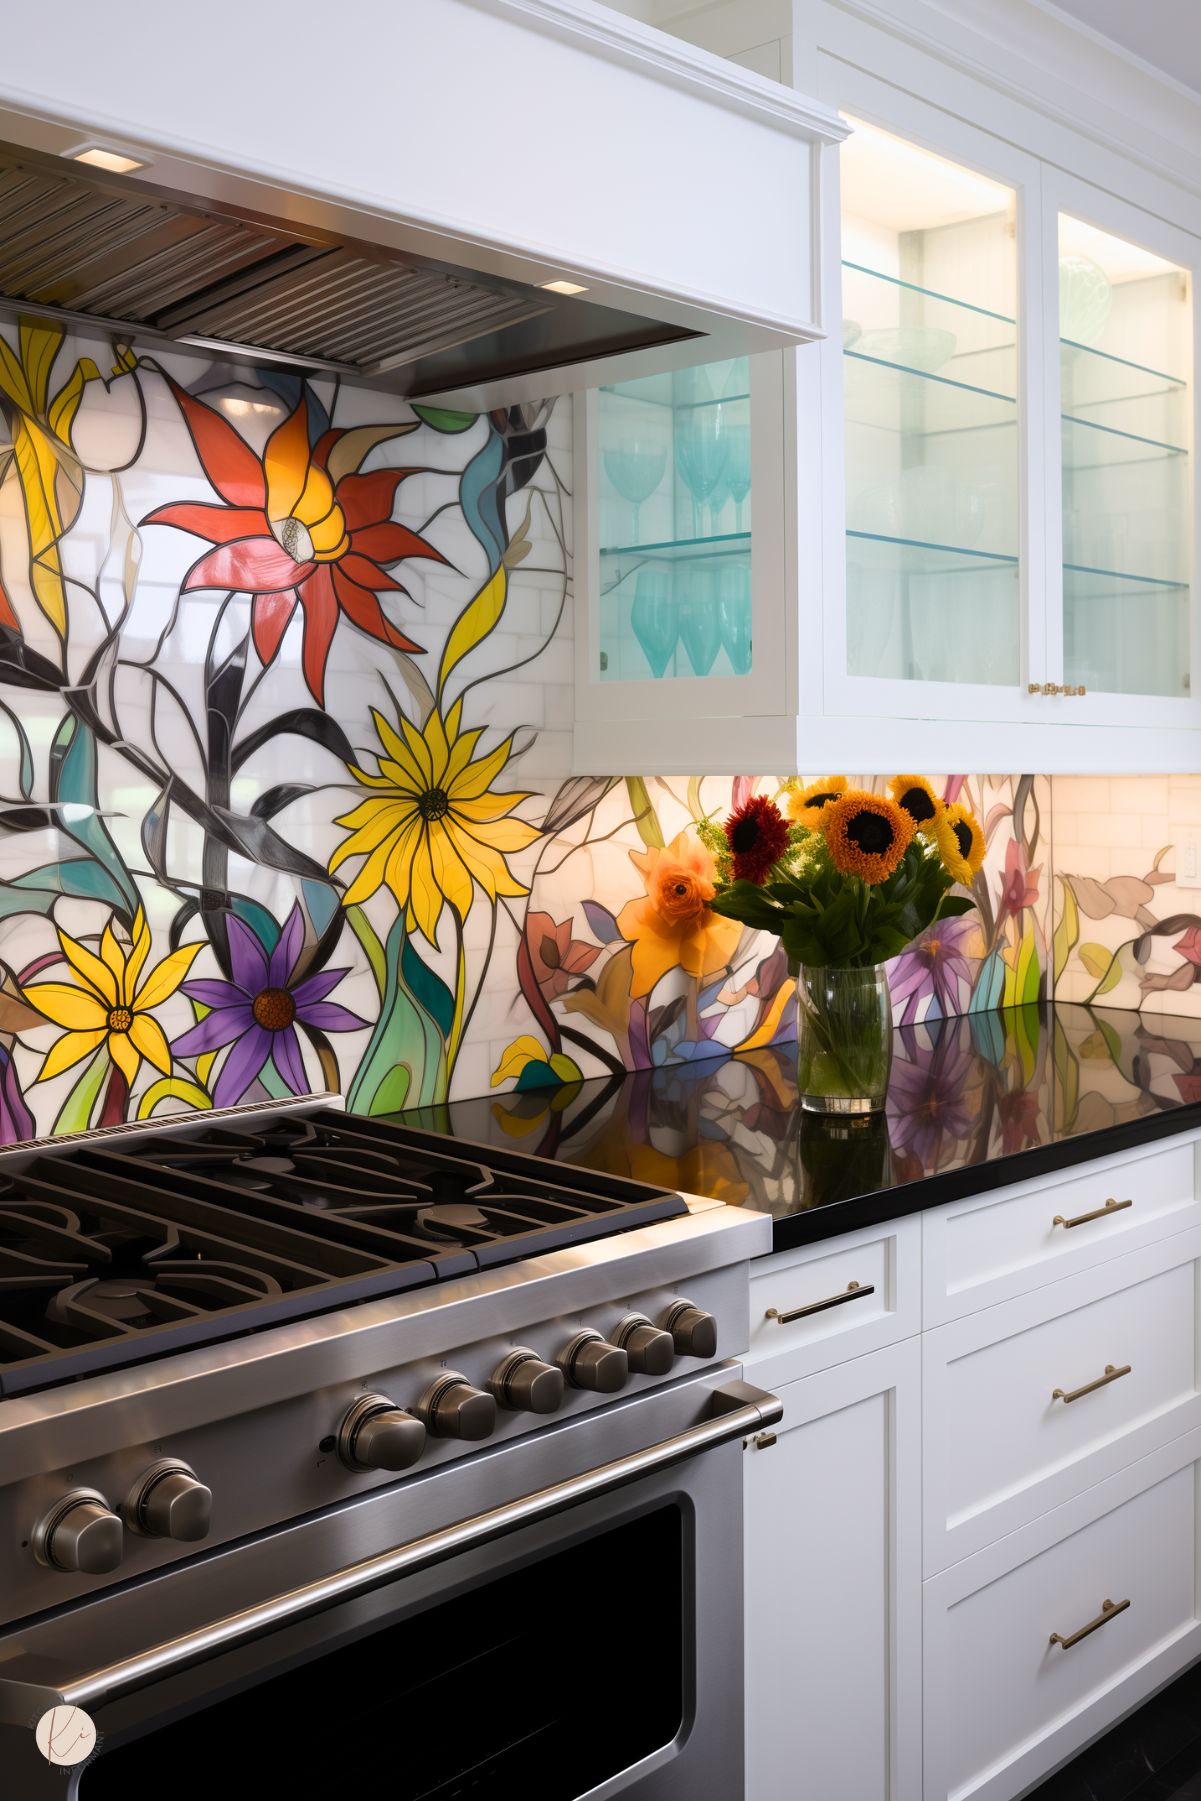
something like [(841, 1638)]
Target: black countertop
[(973, 1103)]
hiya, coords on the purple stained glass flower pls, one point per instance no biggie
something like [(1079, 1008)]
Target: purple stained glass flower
[(258, 1011), (16, 1121), (939, 964)]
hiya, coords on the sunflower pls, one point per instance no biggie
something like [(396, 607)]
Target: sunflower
[(867, 834), (806, 805), (914, 794), (757, 834), (960, 842), (105, 1004), (433, 829)]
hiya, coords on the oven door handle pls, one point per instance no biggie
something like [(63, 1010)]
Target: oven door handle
[(28, 1687)]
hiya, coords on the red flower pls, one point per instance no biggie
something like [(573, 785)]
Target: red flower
[(757, 834), (555, 955), (299, 525), (1190, 945), (1019, 887)]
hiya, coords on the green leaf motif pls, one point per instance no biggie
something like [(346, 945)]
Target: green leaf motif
[(73, 783), (76, 1110), (444, 418), (406, 1054), (645, 817)]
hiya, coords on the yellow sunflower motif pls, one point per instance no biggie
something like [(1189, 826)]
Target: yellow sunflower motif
[(806, 805), (433, 829), (107, 1004), (867, 834), (960, 842), (916, 797)]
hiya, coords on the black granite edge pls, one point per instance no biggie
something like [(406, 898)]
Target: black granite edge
[(811, 1225)]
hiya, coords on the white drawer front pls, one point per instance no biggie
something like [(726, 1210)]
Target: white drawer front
[(992, 1246), (839, 1299), (1005, 1702), (1003, 1446)]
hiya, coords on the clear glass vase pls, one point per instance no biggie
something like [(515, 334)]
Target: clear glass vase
[(844, 1039)]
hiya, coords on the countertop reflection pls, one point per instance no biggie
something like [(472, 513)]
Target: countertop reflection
[(973, 1103)]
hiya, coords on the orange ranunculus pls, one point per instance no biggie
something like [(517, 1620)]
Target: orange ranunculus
[(673, 928)]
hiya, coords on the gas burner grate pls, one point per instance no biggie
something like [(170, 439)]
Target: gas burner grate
[(109, 1255)]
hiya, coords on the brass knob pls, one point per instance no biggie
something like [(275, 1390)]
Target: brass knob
[(170, 1501), (82, 1534), (1046, 688), (649, 1349)]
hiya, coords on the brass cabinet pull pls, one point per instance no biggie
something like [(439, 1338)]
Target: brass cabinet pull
[(1074, 1394), (1067, 688), (1082, 1219), (762, 1441), (1109, 1611), (852, 1292)]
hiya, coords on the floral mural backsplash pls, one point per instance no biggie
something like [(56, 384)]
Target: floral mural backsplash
[(285, 701)]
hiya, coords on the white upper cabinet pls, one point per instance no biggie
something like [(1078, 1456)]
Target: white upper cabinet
[(968, 534)]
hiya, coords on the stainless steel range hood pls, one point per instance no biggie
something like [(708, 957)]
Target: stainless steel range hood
[(396, 206), (110, 253)]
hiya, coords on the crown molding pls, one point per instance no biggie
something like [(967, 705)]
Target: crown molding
[(1037, 55), (629, 41)]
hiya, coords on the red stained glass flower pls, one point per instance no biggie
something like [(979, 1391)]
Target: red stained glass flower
[(297, 526), (757, 834)]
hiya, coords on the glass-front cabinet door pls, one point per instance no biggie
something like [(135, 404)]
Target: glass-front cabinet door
[(930, 369), (680, 554), (942, 611), (1124, 493)]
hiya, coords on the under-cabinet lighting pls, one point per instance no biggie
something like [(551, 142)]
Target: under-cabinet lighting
[(900, 185), (563, 287), (114, 162), (1117, 257)]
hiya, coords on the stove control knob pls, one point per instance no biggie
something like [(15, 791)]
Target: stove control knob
[(524, 1384), (377, 1435), (170, 1501), (693, 1332), (588, 1362), (81, 1534), (452, 1408), (650, 1350)]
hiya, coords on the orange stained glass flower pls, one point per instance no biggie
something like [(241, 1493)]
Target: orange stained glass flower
[(673, 927), (299, 526)]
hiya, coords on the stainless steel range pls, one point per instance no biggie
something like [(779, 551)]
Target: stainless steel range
[(333, 1449)]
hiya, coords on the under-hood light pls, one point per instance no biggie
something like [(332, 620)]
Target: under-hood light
[(113, 162), (562, 287)]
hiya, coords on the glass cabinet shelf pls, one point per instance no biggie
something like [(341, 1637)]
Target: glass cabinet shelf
[(672, 550), (675, 531)]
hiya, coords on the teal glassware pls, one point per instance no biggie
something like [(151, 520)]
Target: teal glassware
[(734, 611), (700, 628), (738, 467), (636, 467), (702, 447), (655, 617)]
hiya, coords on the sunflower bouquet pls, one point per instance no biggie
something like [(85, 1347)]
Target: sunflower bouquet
[(846, 879)]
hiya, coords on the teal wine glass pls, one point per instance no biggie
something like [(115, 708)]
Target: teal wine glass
[(738, 467), (700, 628), (636, 467), (702, 446), (655, 617), (734, 611)]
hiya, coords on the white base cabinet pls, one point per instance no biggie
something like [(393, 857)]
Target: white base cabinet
[(991, 1441), (833, 1558), (1008, 1695)]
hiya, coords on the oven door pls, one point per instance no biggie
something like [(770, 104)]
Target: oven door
[(580, 1635)]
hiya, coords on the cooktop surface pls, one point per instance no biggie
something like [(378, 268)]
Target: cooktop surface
[(125, 1245)]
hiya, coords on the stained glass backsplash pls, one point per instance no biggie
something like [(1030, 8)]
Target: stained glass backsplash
[(285, 698)]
